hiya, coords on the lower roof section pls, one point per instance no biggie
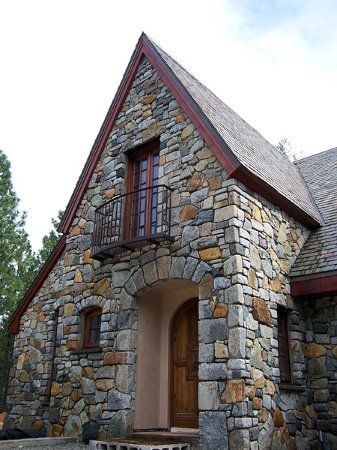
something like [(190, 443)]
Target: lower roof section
[(314, 285)]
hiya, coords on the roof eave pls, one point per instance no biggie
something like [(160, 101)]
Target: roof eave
[(314, 285), (262, 188)]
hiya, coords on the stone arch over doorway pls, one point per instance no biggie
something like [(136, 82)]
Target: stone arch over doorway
[(162, 276)]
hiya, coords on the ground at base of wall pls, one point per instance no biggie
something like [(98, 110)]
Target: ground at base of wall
[(43, 444)]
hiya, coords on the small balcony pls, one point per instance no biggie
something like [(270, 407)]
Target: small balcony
[(131, 221)]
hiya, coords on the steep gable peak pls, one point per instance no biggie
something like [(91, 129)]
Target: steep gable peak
[(242, 151)]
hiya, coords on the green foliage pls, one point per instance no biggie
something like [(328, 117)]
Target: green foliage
[(18, 264), (49, 241), (285, 147)]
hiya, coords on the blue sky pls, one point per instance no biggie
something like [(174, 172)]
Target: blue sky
[(274, 62)]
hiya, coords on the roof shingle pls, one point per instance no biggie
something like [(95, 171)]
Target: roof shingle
[(251, 149), (319, 253)]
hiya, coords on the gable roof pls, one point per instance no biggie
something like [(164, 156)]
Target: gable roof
[(242, 151), (319, 253)]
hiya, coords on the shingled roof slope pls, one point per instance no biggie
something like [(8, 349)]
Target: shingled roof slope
[(319, 253), (252, 150)]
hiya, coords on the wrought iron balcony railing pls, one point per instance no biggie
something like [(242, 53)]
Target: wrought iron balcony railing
[(131, 221)]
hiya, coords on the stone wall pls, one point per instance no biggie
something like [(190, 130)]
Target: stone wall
[(234, 245), (321, 350)]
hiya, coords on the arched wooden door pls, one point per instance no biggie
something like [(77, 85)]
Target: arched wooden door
[(184, 366)]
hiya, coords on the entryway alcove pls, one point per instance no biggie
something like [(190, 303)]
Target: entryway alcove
[(167, 357)]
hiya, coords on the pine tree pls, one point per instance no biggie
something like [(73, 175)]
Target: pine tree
[(18, 264), (49, 241)]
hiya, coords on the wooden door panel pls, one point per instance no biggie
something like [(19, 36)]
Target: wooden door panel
[(184, 351)]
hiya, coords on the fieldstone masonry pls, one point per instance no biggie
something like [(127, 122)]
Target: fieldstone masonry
[(236, 247)]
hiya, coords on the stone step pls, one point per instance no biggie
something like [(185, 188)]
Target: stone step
[(135, 444)]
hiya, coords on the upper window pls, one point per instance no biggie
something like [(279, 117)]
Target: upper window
[(283, 345), (92, 326), (143, 188)]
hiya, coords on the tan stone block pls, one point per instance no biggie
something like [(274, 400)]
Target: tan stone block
[(55, 388), (270, 387), (264, 216), (72, 345), (101, 286), (66, 389), (109, 193), (214, 183), (201, 165), (86, 257), (104, 384), (68, 309), (24, 376), (263, 415), (278, 418), (226, 213), (205, 153), (221, 350), (252, 280), (187, 131), (76, 230), (282, 233), (250, 392), (111, 358), (188, 212), (149, 99), (285, 265), (88, 372), (21, 360), (276, 284), (334, 351), (261, 311), (220, 310), (78, 276), (195, 182), (256, 213), (150, 132), (260, 383), (257, 403), (265, 282), (315, 350), (57, 430), (40, 317), (208, 254), (37, 425), (234, 391), (255, 259), (75, 395)]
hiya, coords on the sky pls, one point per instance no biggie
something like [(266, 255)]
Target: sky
[(274, 62)]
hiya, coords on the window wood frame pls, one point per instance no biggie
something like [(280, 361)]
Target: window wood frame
[(93, 312), (133, 155), (284, 345)]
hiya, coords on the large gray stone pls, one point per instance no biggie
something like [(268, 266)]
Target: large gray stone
[(118, 400), (213, 431)]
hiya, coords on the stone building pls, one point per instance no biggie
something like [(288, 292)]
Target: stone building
[(194, 289)]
